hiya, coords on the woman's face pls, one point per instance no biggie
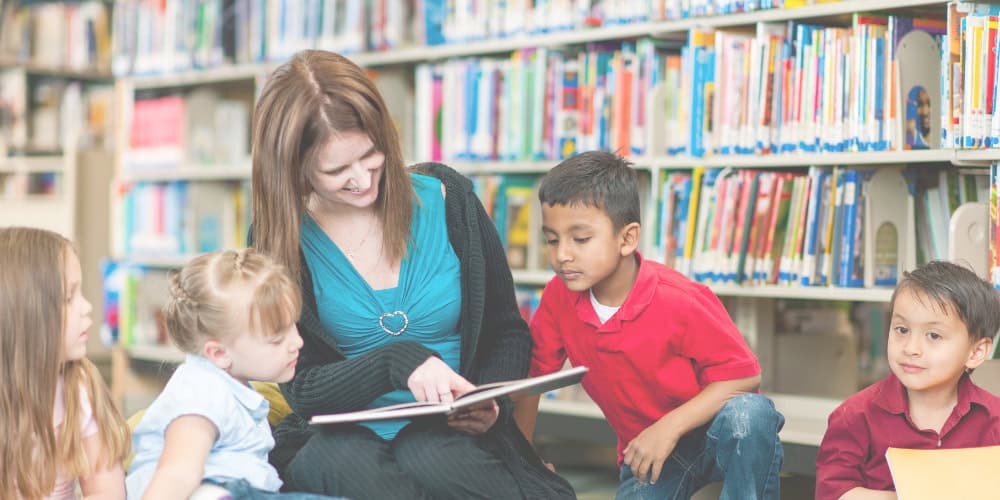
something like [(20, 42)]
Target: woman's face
[(347, 172)]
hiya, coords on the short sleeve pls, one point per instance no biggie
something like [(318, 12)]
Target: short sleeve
[(841, 454), (189, 394), (712, 341), (548, 354)]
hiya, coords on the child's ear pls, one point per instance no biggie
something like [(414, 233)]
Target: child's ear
[(216, 352), (980, 351), (630, 238)]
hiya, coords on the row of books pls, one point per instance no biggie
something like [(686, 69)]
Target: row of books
[(201, 127), (780, 88), (846, 227), (63, 35), (545, 104), (968, 85), (40, 113), (163, 37), (168, 219)]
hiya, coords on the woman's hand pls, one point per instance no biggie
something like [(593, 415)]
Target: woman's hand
[(475, 419), (434, 381)]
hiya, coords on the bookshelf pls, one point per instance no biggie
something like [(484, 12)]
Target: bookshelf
[(758, 309)]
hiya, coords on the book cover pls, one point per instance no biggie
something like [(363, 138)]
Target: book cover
[(966, 473), (485, 392)]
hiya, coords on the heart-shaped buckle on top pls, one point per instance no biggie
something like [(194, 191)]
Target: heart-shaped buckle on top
[(394, 333)]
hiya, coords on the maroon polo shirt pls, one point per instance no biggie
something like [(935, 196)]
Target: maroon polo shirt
[(670, 338), (863, 427)]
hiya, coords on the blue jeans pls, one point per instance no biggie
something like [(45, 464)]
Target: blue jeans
[(739, 446), (240, 489)]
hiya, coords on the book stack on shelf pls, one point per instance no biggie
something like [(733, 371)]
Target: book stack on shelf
[(795, 157), (55, 99)]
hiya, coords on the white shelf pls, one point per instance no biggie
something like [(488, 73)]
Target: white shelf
[(661, 29), (800, 159), (584, 409), (157, 353), (488, 167), (502, 167), (54, 71), (32, 164), (219, 74), (805, 417), (159, 261), (804, 292), (190, 173)]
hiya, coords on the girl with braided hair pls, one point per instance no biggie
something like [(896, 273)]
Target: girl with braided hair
[(234, 314)]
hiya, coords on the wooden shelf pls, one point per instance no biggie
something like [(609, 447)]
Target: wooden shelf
[(190, 173)]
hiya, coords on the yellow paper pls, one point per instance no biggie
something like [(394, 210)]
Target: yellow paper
[(966, 473)]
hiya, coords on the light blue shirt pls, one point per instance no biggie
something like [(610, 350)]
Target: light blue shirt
[(239, 413)]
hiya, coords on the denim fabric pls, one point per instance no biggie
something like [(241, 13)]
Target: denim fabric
[(739, 447), (240, 489)]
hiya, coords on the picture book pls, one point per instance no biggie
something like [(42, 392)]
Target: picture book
[(485, 392)]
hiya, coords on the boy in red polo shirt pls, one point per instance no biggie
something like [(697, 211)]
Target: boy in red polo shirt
[(943, 321), (668, 367)]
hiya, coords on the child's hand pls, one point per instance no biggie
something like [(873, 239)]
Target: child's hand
[(435, 382), (646, 453), (476, 419)]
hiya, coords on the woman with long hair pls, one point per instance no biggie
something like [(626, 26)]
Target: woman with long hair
[(406, 296)]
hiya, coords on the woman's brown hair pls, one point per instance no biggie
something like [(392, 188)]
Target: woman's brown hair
[(308, 101), (32, 322)]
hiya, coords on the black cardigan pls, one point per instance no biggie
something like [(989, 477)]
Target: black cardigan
[(495, 346)]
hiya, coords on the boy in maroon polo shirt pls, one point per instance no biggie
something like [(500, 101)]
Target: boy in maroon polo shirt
[(668, 367), (943, 321)]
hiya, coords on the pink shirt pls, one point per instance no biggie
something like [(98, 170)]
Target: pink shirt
[(863, 427), (66, 487)]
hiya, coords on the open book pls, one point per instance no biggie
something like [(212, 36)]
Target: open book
[(966, 473), (485, 392)]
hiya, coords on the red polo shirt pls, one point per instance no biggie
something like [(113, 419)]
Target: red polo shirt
[(860, 430), (670, 339)]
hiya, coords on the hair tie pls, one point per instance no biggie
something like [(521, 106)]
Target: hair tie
[(239, 259), (178, 292)]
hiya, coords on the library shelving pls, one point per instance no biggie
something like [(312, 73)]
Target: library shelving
[(767, 313)]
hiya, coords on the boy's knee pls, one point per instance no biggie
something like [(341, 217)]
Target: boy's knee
[(749, 416)]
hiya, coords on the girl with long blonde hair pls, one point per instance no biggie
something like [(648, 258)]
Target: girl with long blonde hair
[(59, 423)]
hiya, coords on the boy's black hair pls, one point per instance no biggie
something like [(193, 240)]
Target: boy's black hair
[(595, 179), (951, 285)]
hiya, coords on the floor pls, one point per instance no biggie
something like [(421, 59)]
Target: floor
[(592, 472)]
